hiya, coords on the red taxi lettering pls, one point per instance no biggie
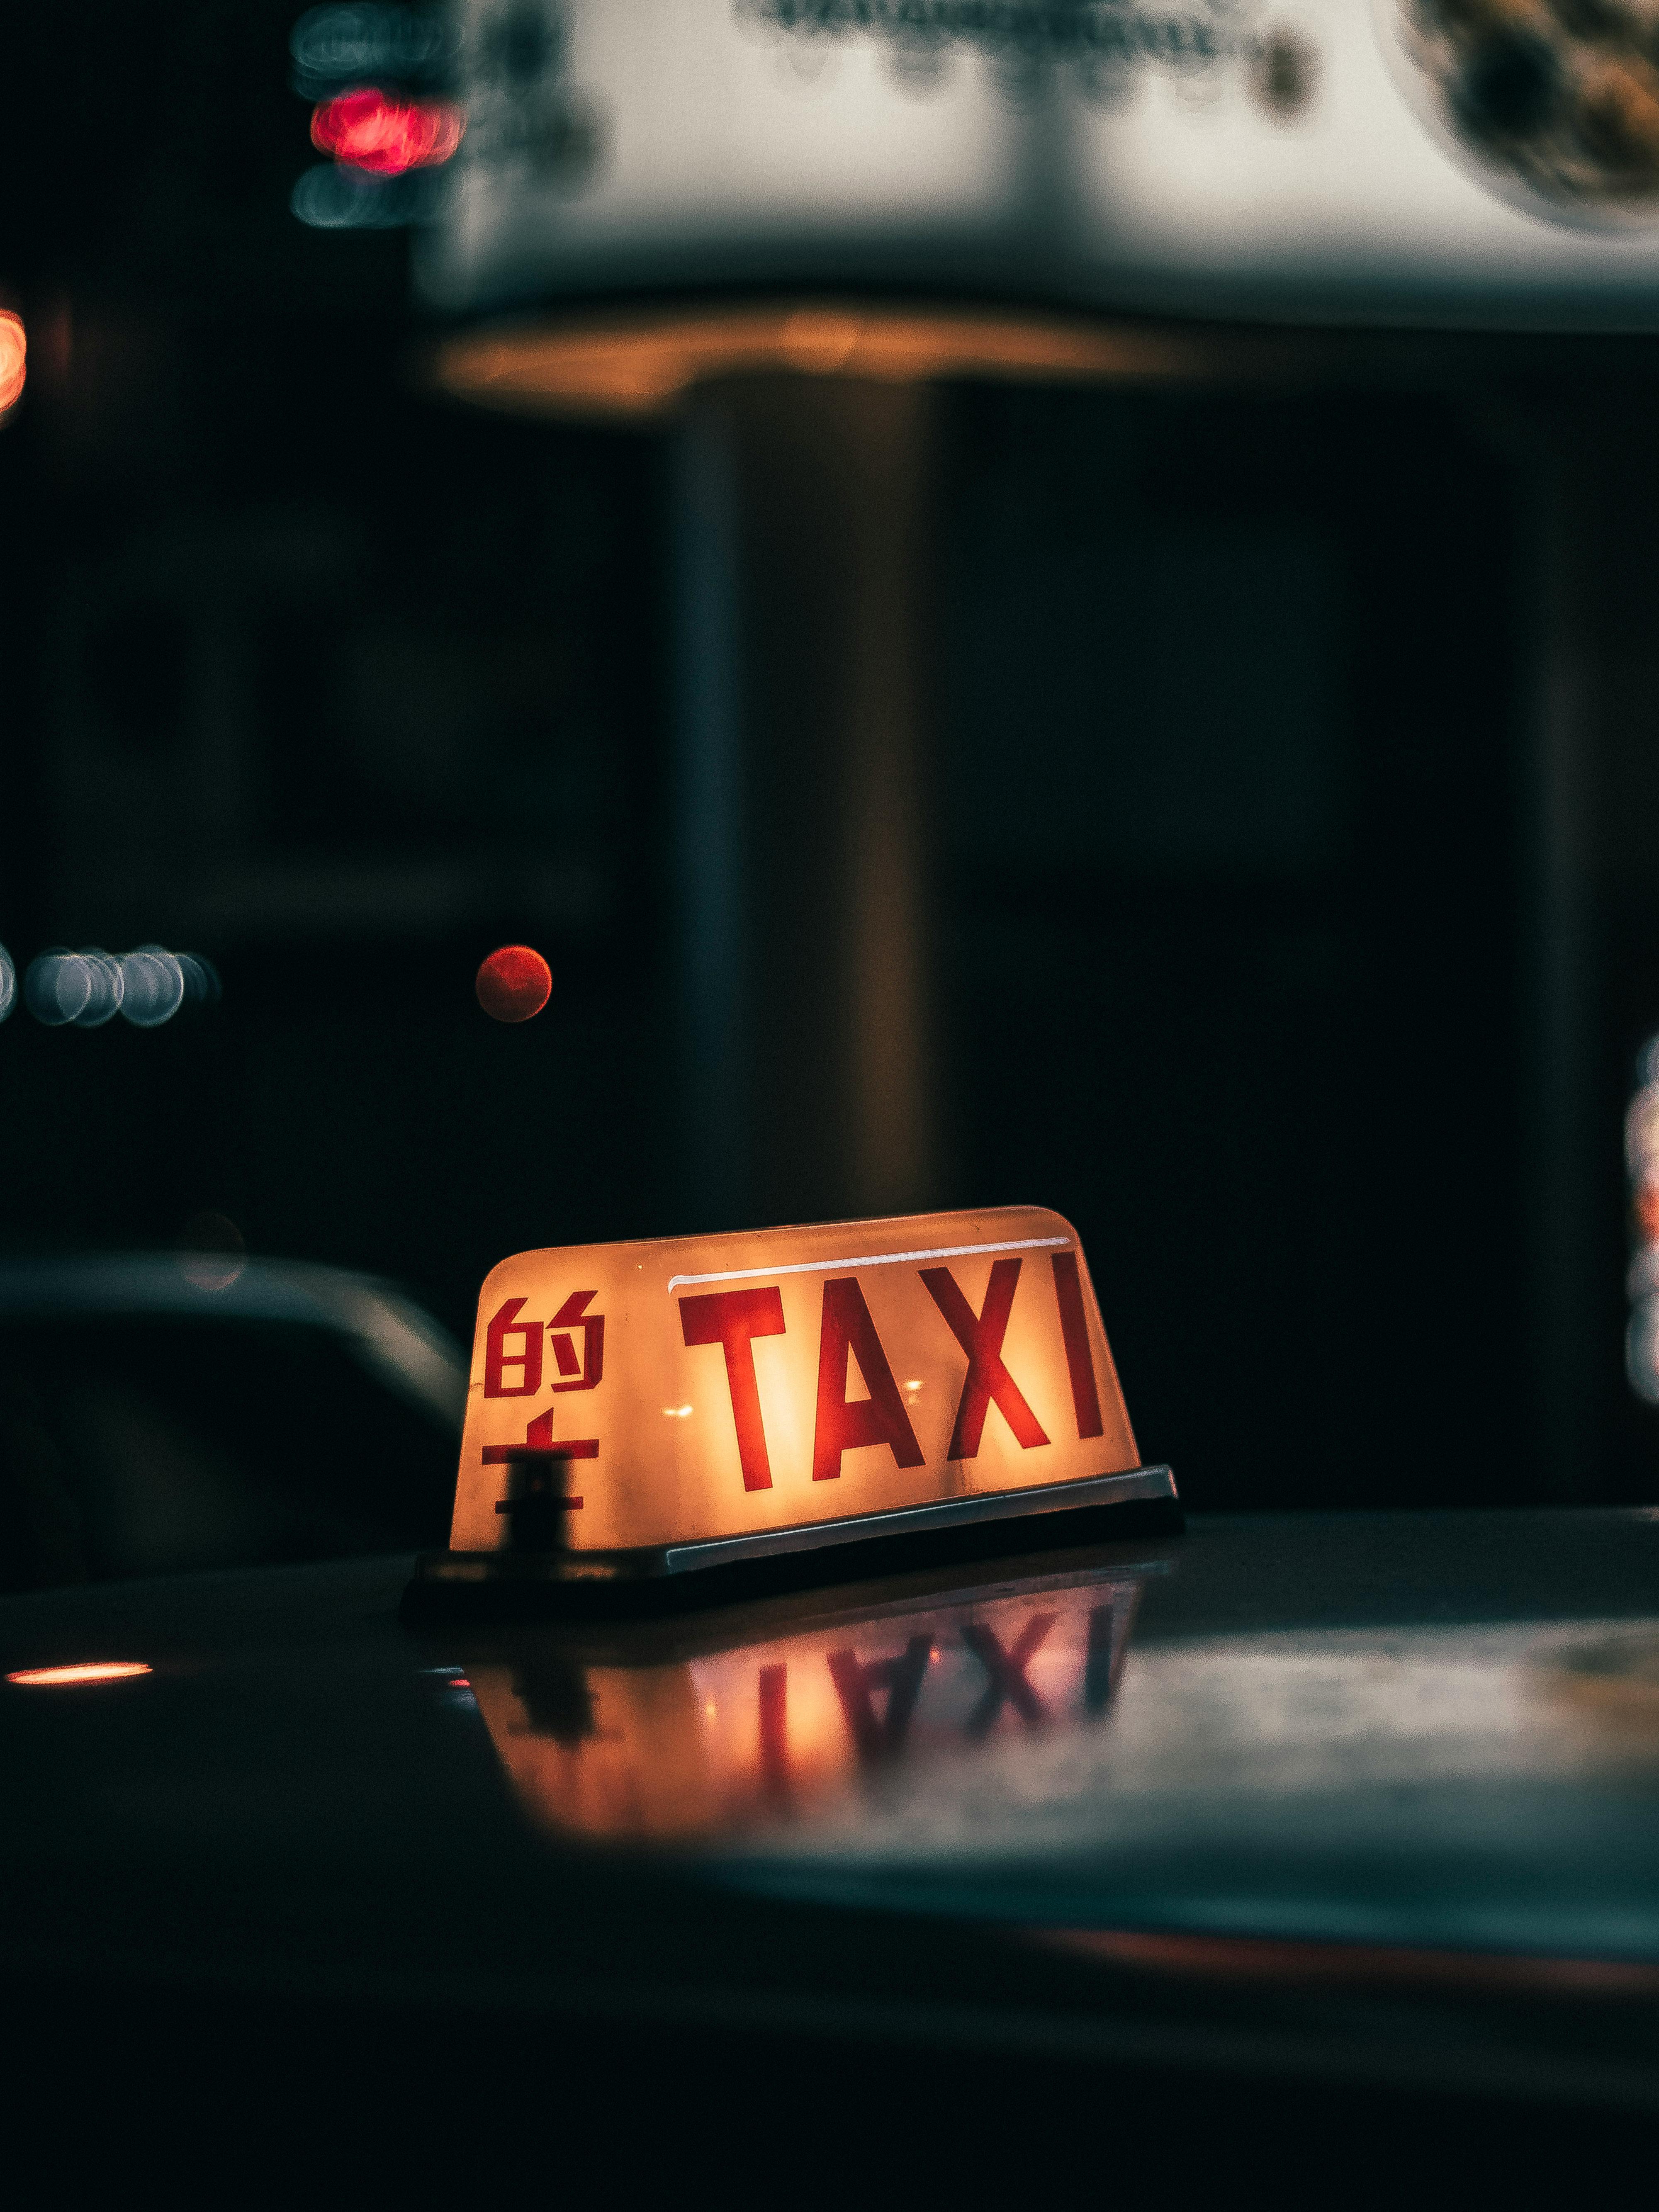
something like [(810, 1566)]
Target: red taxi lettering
[(848, 1424), (540, 1445), (981, 1337), (958, 1301), (1006, 1671), (1074, 1330), (731, 1319), (586, 1373), (497, 1359), (901, 1678)]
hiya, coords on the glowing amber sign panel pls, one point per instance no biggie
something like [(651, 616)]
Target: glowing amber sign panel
[(630, 1396)]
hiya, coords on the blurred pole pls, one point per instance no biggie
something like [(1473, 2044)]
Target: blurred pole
[(1597, 803), (713, 1114), (804, 624), (1560, 1138)]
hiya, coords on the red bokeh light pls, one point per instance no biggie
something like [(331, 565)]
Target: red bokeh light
[(514, 984), (368, 129), (14, 355)]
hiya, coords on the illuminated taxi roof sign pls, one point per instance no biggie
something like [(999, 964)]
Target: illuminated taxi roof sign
[(652, 1409)]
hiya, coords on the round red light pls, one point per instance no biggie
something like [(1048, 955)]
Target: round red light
[(514, 984), (14, 356), (368, 129)]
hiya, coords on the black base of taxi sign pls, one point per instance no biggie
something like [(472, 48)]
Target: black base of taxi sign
[(1142, 1502), (698, 1414)]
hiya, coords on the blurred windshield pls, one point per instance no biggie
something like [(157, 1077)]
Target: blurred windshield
[(153, 1444)]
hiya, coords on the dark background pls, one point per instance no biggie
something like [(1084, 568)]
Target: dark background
[(1296, 847)]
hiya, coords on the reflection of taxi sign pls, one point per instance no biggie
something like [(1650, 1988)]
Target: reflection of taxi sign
[(667, 1739), (648, 1410)]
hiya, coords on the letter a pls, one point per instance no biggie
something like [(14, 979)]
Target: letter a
[(880, 1418)]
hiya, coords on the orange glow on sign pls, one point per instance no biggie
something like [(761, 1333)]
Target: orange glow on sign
[(14, 359), (641, 364), (778, 1356), (371, 129), (90, 1670)]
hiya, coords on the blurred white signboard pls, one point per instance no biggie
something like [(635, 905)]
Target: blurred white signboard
[(1447, 161)]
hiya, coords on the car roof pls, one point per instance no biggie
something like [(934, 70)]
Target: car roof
[(1416, 1748), (1325, 1725)]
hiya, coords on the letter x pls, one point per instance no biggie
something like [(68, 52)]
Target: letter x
[(981, 1337), (1006, 1672)]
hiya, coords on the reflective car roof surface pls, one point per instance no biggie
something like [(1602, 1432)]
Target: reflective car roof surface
[(1419, 1750)]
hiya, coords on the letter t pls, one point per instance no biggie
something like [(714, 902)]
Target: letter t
[(731, 1319)]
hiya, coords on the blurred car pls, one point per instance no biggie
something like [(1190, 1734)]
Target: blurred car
[(161, 1412)]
